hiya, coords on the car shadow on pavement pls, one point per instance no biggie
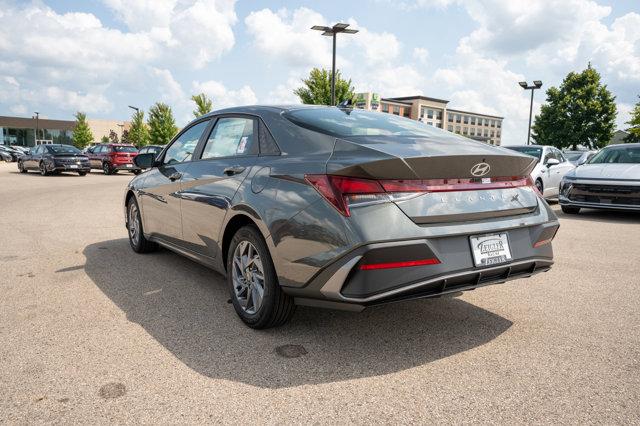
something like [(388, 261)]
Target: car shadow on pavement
[(607, 216), (184, 306)]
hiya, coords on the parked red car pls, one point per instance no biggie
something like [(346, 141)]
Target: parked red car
[(112, 157)]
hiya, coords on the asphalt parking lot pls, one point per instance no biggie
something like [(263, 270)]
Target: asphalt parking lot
[(92, 332)]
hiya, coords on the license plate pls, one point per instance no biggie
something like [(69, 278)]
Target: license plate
[(491, 249), (73, 166), (129, 165)]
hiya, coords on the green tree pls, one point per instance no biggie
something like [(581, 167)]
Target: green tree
[(125, 137), (204, 105), (581, 111), (162, 126), (634, 122), (104, 139), (113, 136), (82, 135), (317, 88), (139, 132)]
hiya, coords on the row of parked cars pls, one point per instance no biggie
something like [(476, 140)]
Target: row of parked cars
[(606, 179), (56, 158)]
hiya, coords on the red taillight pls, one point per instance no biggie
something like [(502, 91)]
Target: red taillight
[(336, 189), (405, 264)]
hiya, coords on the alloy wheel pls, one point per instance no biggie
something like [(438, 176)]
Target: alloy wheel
[(134, 223), (248, 277), (105, 168), (43, 169)]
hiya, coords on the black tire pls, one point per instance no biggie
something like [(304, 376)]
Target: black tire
[(136, 172), (82, 173), (570, 209), (277, 307), (21, 168), (139, 243), (43, 169), (106, 168), (540, 186)]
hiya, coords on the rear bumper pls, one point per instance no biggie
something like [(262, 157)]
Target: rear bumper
[(343, 285), (124, 166), (69, 168), (567, 202)]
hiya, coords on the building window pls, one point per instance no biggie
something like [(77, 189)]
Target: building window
[(385, 107), (450, 128), (493, 134), (499, 123), (429, 113), (396, 110), (450, 118), (439, 115), (465, 130), (458, 129), (472, 132), (430, 123), (472, 121), (466, 119), (458, 118), (493, 123), (407, 111), (498, 133), (439, 125), (486, 133)]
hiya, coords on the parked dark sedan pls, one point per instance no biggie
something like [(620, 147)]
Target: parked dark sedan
[(9, 153), (55, 158), (5, 156), (338, 208)]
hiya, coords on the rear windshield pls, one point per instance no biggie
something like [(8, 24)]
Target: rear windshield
[(118, 148), (617, 155), (533, 151), (63, 149), (353, 122)]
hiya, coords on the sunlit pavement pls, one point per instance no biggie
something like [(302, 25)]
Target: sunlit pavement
[(91, 332)]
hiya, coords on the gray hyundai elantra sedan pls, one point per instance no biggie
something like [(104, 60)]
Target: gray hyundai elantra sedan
[(338, 208)]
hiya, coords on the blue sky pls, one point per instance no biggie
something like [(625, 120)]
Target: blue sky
[(99, 56)]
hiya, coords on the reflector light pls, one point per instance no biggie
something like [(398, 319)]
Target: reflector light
[(542, 242), (405, 264)]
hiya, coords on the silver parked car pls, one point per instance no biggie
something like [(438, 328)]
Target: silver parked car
[(610, 180), (551, 166), (338, 208), (578, 157)]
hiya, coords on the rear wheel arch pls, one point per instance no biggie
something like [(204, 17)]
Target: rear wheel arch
[(234, 224)]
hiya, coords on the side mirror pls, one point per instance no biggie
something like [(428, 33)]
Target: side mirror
[(552, 162), (144, 161)]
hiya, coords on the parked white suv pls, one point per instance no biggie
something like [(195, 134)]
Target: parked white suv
[(551, 167)]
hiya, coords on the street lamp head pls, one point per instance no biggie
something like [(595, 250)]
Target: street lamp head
[(537, 83), (134, 108), (320, 28), (523, 84)]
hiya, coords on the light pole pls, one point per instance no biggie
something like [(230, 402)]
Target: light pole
[(332, 31), (37, 122), (536, 85), (121, 130)]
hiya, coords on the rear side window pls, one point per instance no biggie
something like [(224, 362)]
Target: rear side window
[(231, 136), (118, 148), (268, 145), (182, 148)]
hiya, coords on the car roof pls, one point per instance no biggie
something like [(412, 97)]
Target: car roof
[(263, 108)]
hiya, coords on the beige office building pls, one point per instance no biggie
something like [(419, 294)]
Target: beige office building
[(100, 128), (435, 112)]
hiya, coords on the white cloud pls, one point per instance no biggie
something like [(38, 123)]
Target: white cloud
[(287, 36), (223, 97), (69, 61), (421, 55), (283, 93)]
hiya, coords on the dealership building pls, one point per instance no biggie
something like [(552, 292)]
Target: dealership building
[(435, 112), (22, 131)]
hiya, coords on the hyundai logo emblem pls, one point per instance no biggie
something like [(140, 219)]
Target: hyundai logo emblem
[(480, 169)]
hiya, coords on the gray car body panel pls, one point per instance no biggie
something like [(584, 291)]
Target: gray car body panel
[(306, 235)]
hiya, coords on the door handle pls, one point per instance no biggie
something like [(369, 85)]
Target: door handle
[(230, 171), (175, 176)]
